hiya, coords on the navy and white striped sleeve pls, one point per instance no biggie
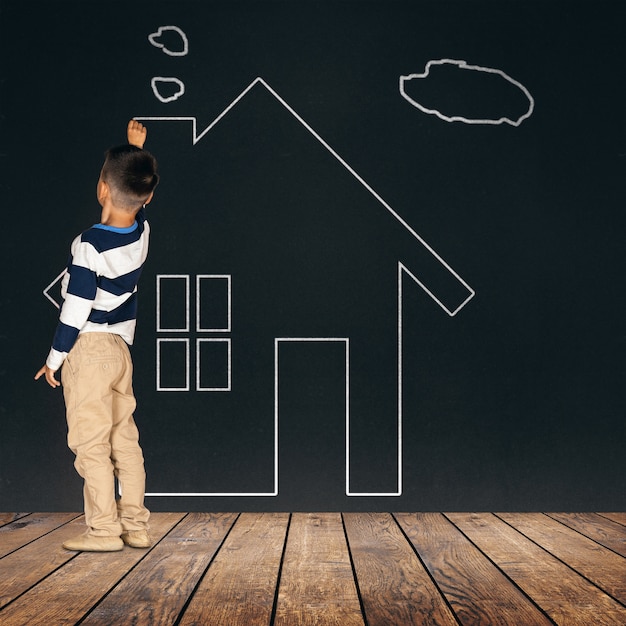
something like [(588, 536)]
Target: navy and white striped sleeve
[(79, 289)]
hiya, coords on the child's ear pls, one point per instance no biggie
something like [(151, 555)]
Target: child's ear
[(102, 191), (148, 199)]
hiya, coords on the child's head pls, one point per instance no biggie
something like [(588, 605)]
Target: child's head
[(131, 176)]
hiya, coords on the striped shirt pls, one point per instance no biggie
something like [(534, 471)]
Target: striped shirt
[(99, 288)]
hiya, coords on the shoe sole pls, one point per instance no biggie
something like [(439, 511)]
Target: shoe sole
[(84, 549)]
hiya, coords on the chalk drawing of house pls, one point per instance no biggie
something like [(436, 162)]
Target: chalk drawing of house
[(288, 246)]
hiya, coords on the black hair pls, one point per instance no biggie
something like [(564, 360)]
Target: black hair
[(131, 174)]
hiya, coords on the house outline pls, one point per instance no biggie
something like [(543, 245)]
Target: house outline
[(401, 271)]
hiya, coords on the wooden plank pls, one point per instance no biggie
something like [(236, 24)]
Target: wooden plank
[(24, 568), (562, 593), (395, 587), (604, 531), (240, 585), (478, 592), (317, 586), (7, 518), (620, 518), (600, 565), (160, 585), (27, 529), (69, 593)]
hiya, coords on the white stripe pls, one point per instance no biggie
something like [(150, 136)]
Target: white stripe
[(125, 259), (75, 311), (55, 359), (85, 255)]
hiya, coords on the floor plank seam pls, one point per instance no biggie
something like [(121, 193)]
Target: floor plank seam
[(38, 582), (280, 572), (127, 574), (582, 534), (560, 560), (18, 517), (52, 530), (354, 573), (604, 516), (427, 569), (511, 580), (187, 602)]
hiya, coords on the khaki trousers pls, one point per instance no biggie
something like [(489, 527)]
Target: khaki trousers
[(99, 401)]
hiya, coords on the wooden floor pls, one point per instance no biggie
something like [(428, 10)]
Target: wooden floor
[(321, 568)]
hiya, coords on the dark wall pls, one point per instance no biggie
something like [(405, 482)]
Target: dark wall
[(504, 356)]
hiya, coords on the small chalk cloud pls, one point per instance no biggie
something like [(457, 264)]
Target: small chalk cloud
[(171, 40), (167, 88), (455, 91)]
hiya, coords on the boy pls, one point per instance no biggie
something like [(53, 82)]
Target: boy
[(96, 323)]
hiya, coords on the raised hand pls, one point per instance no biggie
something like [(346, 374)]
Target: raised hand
[(136, 133)]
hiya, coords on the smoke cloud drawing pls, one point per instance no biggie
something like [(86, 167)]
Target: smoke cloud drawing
[(450, 100), (157, 40)]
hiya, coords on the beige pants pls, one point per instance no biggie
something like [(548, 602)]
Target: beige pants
[(99, 400)]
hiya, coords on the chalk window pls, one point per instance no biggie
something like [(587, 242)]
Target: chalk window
[(212, 316)]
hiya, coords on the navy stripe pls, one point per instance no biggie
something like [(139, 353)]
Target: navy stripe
[(123, 313), (121, 284), (64, 337), (82, 282)]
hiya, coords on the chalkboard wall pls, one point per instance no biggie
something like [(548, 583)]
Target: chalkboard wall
[(387, 260)]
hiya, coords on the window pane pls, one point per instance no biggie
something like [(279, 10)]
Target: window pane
[(172, 302), (172, 366), (213, 371), (213, 303)]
